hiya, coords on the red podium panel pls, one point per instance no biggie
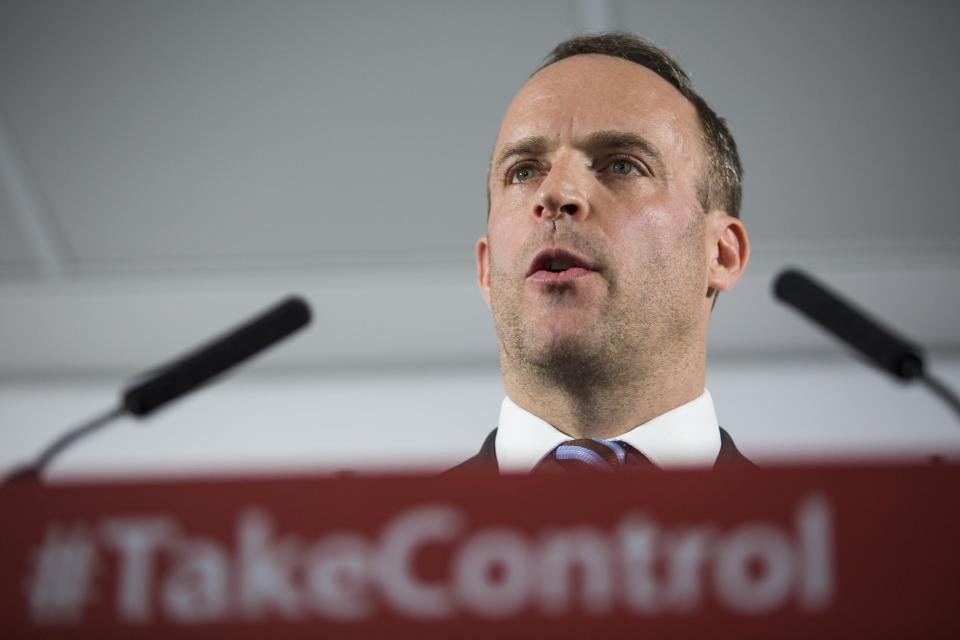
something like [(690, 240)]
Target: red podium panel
[(792, 552)]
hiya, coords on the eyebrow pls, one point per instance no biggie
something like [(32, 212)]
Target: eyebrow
[(621, 140), (529, 146), (608, 139)]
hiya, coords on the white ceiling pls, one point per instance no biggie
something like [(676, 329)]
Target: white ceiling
[(168, 166)]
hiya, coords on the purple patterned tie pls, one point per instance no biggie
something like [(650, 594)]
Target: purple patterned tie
[(594, 454)]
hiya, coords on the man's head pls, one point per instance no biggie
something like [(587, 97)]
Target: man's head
[(614, 191)]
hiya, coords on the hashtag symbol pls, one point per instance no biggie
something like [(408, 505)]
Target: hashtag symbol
[(60, 585)]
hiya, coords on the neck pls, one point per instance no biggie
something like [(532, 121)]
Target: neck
[(599, 403)]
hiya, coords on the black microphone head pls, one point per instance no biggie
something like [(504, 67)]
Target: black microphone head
[(790, 284), (879, 344), (185, 374)]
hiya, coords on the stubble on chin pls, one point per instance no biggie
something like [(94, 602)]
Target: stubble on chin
[(536, 356), (642, 323)]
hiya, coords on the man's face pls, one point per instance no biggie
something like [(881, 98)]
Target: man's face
[(595, 247)]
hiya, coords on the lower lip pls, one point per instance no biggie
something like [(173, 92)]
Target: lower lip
[(557, 277)]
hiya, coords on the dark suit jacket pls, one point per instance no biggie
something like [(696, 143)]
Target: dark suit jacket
[(486, 459)]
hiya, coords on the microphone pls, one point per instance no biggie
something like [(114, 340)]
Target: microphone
[(882, 346), (174, 379), (194, 369)]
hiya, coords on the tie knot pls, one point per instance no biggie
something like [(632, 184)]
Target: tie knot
[(592, 454)]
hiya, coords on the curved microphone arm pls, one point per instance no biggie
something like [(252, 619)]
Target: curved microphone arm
[(34, 471), (941, 390)]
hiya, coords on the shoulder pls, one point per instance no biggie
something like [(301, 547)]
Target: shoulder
[(729, 455), (485, 460)]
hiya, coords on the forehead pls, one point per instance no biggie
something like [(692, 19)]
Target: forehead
[(575, 96)]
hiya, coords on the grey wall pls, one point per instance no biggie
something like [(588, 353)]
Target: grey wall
[(167, 168)]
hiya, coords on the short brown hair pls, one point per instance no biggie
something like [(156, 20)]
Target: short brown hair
[(720, 186)]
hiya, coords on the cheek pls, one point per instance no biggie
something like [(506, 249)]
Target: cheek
[(653, 234), (507, 206), (507, 224), (503, 242)]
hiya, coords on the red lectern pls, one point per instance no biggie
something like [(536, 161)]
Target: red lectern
[(869, 551)]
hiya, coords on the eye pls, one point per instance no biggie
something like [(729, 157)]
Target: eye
[(624, 167), (522, 173)]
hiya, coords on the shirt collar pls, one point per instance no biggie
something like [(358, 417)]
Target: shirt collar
[(687, 436)]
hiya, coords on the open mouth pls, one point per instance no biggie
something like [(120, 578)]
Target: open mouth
[(558, 265)]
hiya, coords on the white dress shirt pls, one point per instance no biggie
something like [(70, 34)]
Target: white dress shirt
[(687, 436)]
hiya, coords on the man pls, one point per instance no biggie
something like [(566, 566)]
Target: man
[(614, 195)]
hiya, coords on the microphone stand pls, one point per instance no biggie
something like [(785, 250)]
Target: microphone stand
[(32, 472), (941, 390)]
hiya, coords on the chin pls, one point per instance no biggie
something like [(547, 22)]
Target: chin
[(563, 349)]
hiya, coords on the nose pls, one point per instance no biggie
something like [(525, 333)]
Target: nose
[(561, 194)]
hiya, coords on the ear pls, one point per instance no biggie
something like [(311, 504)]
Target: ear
[(483, 267), (728, 250)]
